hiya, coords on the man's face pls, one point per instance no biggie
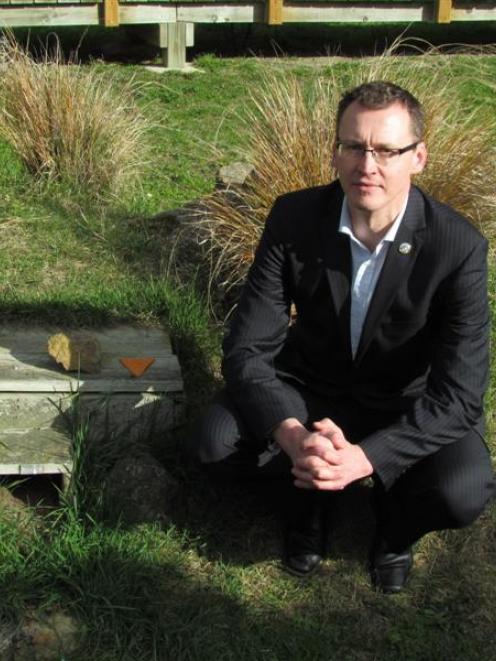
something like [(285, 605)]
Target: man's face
[(370, 187)]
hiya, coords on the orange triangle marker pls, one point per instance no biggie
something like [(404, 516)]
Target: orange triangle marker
[(136, 366)]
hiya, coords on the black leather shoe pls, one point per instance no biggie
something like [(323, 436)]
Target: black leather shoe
[(305, 537), (389, 571)]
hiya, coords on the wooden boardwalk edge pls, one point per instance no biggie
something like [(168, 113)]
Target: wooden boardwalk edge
[(275, 11)]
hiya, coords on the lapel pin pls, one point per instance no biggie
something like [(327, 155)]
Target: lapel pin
[(405, 248)]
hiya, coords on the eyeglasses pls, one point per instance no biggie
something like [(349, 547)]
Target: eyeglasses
[(381, 155)]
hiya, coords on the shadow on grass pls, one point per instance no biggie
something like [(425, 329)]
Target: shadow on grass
[(146, 594), (149, 594), (241, 523)]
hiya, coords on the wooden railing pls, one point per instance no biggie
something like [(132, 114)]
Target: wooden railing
[(175, 18)]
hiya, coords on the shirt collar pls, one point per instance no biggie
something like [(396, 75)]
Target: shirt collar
[(346, 227)]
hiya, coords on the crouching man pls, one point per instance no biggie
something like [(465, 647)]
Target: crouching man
[(384, 371)]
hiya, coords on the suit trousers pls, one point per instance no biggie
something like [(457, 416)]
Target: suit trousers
[(448, 489)]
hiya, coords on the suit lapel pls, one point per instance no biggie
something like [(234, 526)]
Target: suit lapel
[(338, 266), (396, 269)]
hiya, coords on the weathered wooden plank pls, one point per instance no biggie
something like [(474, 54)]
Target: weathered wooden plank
[(42, 406), (30, 15), (174, 56), (49, 16), (165, 377), (143, 14), (274, 12), (21, 382), (45, 452), (160, 38), (337, 13), (110, 13), (22, 411), (20, 339), (24, 414), (25, 365), (476, 12), (240, 13)]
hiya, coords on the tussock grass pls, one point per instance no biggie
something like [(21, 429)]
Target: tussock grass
[(67, 123), (292, 133)]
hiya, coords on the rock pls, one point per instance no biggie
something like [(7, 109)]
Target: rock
[(13, 510), (76, 352), (46, 637), (139, 490), (23, 522), (7, 633), (234, 174), (10, 504)]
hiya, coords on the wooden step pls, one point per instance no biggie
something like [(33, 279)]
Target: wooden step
[(24, 452), (41, 405)]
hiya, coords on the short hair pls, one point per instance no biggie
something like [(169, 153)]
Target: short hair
[(380, 94)]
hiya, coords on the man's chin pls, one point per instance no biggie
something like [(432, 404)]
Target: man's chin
[(364, 203), (370, 196)]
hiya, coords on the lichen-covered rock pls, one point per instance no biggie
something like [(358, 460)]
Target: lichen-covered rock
[(9, 504), (139, 490), (7, 633), (235, 174), (76, 352), (48, 637), (14, 511)]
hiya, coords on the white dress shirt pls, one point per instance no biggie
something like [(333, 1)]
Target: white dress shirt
[(366, 268)]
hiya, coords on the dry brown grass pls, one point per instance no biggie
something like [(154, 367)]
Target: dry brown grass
[(292, 126), (67, 123)]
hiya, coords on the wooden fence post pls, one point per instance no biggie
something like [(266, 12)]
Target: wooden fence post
[(111, 13), (443, 11), (173, 40), (274, 12)]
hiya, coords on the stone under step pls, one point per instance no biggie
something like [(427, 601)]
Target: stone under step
[(42, 406)]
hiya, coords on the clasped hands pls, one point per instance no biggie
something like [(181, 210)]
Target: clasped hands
[(322, 458)]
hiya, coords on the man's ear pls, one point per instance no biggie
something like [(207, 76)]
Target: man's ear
[(419, 158)]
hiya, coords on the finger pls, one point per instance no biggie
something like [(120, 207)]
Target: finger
[(326, 454), (320, 485), (332, 482), (331, 430), (316, 444), (310, 473), (338, 440), (311, 463), (317, 473), (327, 424)]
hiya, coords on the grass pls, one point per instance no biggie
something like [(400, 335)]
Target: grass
[(68, 124), (208, 587), (185, 594)]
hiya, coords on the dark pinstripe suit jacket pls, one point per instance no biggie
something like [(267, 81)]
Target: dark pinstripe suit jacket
[(424, 346)]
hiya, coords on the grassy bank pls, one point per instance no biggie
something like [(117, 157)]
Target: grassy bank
[(208, 587)]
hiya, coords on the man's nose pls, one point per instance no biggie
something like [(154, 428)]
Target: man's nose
[(367, 162)]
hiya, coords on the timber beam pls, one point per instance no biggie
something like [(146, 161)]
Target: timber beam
[(443, 11), (274, 12), (110, 11)]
